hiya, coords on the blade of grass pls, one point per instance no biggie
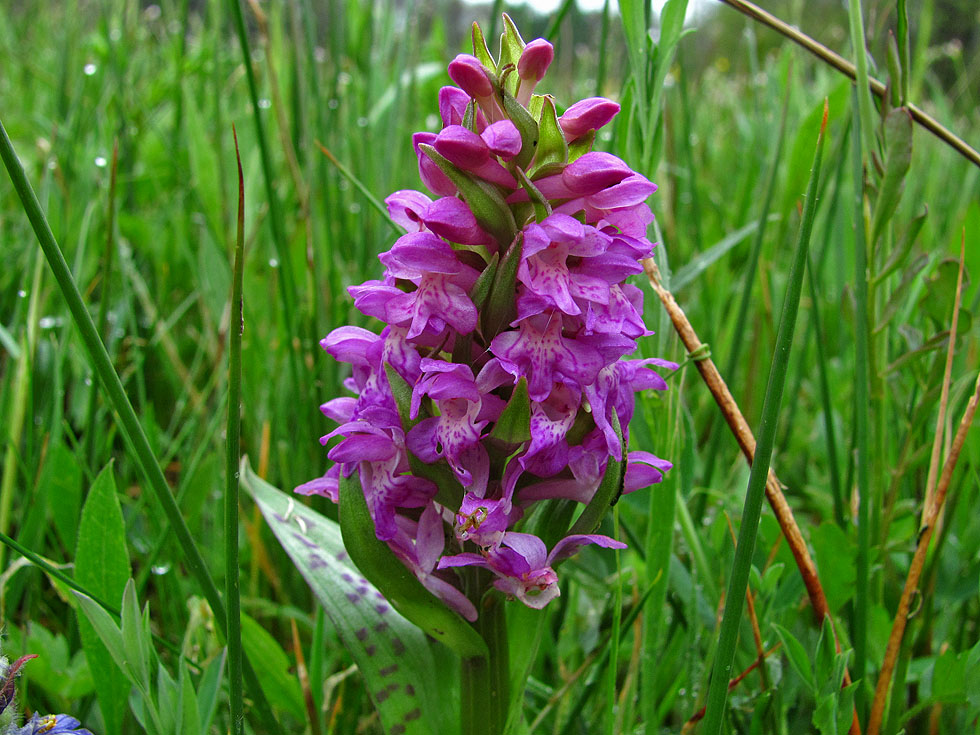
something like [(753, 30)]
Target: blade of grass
[(751, 267), (735, 599), (232, 460), (288, 284), (110, 247), (132, 430), (862, 390)]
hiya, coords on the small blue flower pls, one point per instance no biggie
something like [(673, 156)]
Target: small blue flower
[(52, 725)]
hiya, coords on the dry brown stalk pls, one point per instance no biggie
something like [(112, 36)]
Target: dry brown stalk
[(746, 441), (931, 509), (918, 560)]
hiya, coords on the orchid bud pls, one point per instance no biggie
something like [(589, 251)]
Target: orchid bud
[(585, 115)]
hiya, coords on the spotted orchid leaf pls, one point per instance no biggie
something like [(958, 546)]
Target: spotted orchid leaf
[(398, 585), (399, 666)]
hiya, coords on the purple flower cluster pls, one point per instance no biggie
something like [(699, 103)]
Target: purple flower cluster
[(507, 320)]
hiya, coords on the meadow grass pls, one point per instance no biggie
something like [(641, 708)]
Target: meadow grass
[(727, 129)]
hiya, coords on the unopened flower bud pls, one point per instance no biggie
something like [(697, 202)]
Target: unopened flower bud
[(585, 115), (503, 139), (535, 60), (468, 73)]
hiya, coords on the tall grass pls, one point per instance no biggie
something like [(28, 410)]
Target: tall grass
[(633, 639)]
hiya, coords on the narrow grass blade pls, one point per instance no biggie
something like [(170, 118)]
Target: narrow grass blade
[(288, 284), (862, 390), (232, 452), (130, 425), (735, 599)]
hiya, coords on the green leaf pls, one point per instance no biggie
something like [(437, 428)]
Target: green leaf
[(400, 587), (501, 307), (392, 654), (514, 424), (903, 247), (700, 262), (281, 687), (552, 147), (102, 567), (797, 656), (209, 688), (190, 716), (481, 289), (61, 480), (483, 199), (526, 125), (511, 47), (135, 639), (835, 554), (898, 158), (609, 490), (480, 49)]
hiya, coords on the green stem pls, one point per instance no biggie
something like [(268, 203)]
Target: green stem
[(485, 682), (132, 430), (735, 599)]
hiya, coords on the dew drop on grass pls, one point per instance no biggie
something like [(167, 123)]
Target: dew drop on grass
[(115, 34), (160, 569), (49, 322), (333, 104), (355, 208), (21, 294), (100, 161), (90, 69), (362, 122), (273, 263), (264, 104)]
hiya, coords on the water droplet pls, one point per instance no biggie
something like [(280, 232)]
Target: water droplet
[(320, 54), (160, 569), (88, 380), (362, 122), (152, 12), (49, 322), (100, 161), (273, 263), (52, 165), (90, 69), (115, 34), (264, 104), (21, 294), (333, 104), (354, 208)]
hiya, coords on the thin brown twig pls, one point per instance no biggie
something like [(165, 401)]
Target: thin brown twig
[(699, 715), (947, 378), (753, 618), (746, 442), (918, 560), (846, 67), (930, 516)]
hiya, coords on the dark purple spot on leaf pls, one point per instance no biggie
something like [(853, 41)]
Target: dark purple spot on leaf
[(341, 556), (361, 633), (378, 595), (362, 590), (317, 562), (371, 650), (397, 729), (305, 541), (410, 690), (381, 608), (382, 695), (413, 715), (381, 627), (398, 646), (352, 597), (347, 578), (279, 518), (388, 670)]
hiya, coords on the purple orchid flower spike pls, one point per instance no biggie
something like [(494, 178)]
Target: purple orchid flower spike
[(501, 378)]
